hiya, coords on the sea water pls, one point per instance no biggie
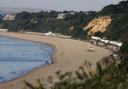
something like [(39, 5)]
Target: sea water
[(17, 57)]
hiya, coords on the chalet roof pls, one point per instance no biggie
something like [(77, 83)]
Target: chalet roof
[(95, 38), (119, 44), (116, 43)]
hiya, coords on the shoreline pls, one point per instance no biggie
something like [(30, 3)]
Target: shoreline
[(52, 58), (68, 55), (53, 47)]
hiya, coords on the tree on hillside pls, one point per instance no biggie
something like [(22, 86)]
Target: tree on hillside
[(78, 32), (23, 15), (124, 48)]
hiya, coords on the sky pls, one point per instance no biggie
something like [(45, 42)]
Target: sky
[(77, 5)]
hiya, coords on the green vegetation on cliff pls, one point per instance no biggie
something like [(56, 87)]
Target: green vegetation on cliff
[(47, 21), (119, 25)]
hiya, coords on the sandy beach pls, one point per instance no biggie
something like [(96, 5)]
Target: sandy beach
[(69, 55)]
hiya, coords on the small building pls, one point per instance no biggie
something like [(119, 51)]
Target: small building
[(113, 45), (116, 45), (9, 17), (72, 12), (47, 34), (61, 16), (119, 44), (95, 40), (3, 30), (104, 42)]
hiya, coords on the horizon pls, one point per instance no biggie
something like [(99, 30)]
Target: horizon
[(59, 5)]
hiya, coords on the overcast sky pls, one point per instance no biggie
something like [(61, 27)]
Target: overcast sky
[(78, 5)]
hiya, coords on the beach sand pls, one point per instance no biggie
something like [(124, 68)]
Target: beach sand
[(69, 55)]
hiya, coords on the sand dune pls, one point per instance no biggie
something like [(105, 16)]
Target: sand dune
[(69, 55)]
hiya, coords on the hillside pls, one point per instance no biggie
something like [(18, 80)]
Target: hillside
[(119, 24), (47, 21), (111, 22)]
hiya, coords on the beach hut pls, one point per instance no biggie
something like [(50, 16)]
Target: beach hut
[(113, 45), (95, 40), (116, 45), (104, 42)]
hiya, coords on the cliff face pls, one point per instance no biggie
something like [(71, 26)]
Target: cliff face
[(9, 17), (99, 24)]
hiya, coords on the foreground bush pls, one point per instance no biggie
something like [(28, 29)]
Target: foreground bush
[(113, 76)]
